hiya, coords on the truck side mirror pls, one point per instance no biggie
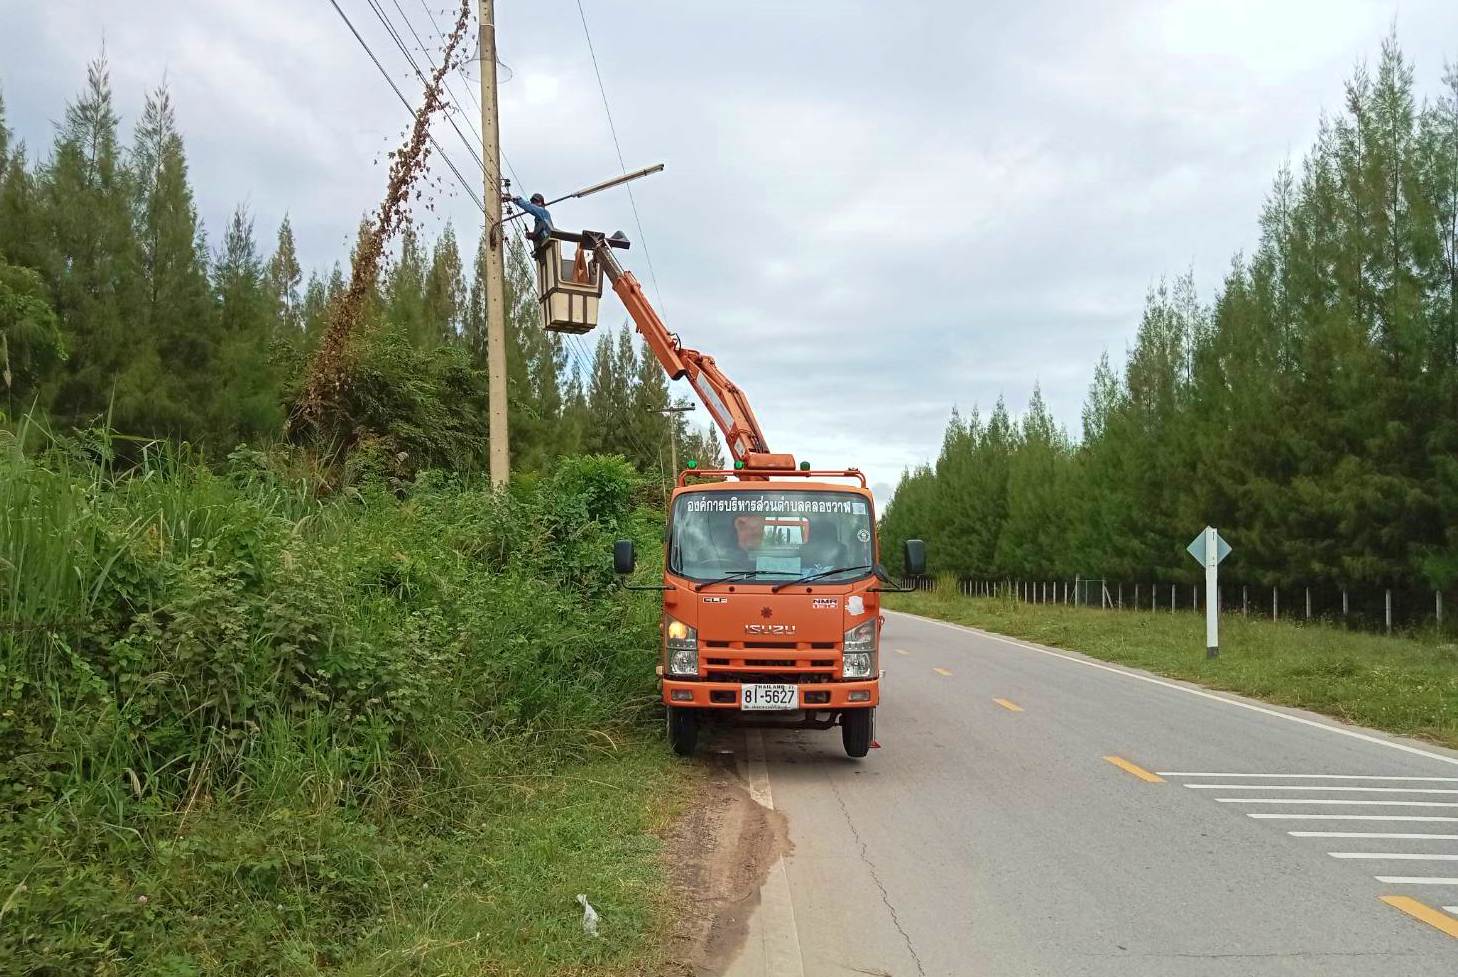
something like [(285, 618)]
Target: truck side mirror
[(913, 554), (625, 557)]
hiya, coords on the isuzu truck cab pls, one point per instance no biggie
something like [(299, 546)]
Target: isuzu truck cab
[(772, 582)]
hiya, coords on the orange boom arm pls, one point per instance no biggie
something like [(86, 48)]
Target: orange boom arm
[(724, 400)]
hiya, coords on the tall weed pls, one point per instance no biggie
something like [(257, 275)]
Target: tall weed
[(220, 696)]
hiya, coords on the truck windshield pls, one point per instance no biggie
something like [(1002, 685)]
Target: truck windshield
[(770, 535)]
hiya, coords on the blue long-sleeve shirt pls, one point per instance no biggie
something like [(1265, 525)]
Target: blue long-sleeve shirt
[(543, 225)]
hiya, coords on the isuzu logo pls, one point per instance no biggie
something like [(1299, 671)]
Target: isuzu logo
[(769, 629)]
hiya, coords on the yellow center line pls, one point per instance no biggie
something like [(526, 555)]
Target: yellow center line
[(1425, 913), (942, 671), (1135, 769), (1009, 705), (902, 651)]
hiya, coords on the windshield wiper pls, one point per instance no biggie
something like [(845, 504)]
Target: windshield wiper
[(736, 575), (814, 576)]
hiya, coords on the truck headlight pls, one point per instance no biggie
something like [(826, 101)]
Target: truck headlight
[(858, 659), (682, 644)]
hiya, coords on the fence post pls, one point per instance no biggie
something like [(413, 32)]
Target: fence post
[(1308, 603), (1121, 596), (1245, 600), (1195, 598), (1154, 597), (1136, 597), (1438, 606), (1389, 610), (1172, 600), (1275, 604), (1344, 602)]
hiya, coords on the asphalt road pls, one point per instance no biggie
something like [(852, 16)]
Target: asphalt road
[(1036, 812)]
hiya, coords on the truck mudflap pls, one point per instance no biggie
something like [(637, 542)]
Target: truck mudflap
[(812, 697)]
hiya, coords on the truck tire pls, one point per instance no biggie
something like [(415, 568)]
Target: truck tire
[(683, 729), (857, 730)]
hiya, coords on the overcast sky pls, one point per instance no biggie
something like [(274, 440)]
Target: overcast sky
[(872, 212)]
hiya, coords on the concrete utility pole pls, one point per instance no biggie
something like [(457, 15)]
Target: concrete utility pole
[(500, 446), (673, 432)]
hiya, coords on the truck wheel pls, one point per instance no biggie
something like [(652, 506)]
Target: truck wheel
[(857, 729), (683, 729)]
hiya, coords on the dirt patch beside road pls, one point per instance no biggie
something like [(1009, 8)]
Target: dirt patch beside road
[(719, 854)]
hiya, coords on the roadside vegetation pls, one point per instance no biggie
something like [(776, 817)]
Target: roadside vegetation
[(1309, 410), (295, 698), (248, 729), (1404, 685)]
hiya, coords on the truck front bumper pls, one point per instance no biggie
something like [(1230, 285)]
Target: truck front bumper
[(815, 696)]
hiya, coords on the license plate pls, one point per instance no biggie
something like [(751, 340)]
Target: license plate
[(769, 697)]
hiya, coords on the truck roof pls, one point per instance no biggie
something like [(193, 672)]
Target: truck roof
[(793, 484)]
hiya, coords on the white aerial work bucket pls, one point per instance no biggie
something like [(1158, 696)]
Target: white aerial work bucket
[(569, 289)]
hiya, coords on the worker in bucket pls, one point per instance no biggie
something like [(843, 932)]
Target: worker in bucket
[(537, 207)]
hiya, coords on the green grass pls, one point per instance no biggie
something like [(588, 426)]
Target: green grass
[(248, 727), (481, 878), (1402, 685)]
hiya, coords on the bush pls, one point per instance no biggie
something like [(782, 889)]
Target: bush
[(190, 662)]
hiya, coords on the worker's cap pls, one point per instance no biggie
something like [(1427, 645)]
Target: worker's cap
[(538, 199)]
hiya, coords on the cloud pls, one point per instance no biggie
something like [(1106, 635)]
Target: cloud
[(871, 212)]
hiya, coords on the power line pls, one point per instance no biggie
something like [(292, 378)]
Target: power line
[(445, 82), (607, 109), (462, 72), (384, 20), (434, 23), (470, 191)]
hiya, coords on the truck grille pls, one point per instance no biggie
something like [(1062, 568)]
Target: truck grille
[(770, 661), (792, 677)]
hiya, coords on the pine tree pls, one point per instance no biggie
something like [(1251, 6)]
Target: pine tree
[(405, 292), (1439, 556), (248, 401), (22, 232), (610, 395), (174, 348), (534, 391), (284, 277), (653, 430), (89, 259), (445, 289), (1034, 539), (30, 338)]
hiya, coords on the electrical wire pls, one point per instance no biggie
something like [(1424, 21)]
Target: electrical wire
[(470, 191), (445, 82), (613, 129), (467, 78), (389, 26)]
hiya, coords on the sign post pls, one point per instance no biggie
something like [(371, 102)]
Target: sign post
[(1209, 549)]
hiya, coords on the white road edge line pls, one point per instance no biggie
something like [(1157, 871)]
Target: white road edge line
[(1400, 856), (1354, 734), (780, 936), (1311, 776), (1384, 835), (1415, 880), (1344, 790), (1351, 817), (1331, 800)]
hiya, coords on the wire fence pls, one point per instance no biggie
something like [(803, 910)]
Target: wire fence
[(1383, 609)]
